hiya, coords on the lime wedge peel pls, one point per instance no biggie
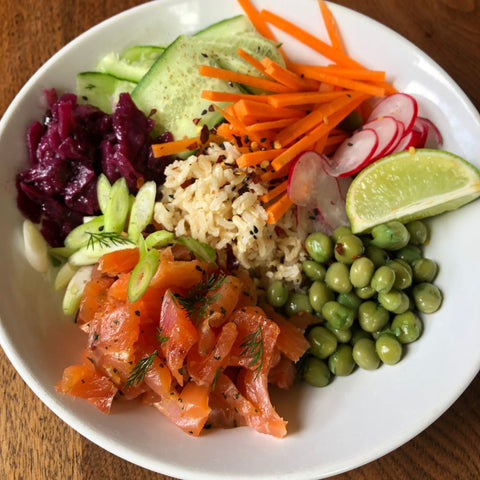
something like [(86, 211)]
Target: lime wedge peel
[(410, 185)]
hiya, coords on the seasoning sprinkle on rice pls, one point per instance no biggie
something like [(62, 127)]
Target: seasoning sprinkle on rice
[(217, 203)]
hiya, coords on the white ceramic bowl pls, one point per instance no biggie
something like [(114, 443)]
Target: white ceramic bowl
[(356, 419)]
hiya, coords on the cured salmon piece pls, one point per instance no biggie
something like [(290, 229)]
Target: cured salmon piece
[(283, 373), (118, 261), (84, 382), (248, 295), (189, 410), (94, 295), (180, 333), (225, 299)]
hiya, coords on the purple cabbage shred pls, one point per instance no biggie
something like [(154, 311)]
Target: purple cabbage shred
[(68, 151)]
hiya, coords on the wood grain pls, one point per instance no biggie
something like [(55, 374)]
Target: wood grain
[(34, 443)]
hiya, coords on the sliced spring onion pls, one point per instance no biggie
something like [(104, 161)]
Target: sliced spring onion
[(142, 210), (160, 238), (142, 275), (36, 248), (74, 291), (61, 253), (88, 255), (118, 206), (80, 235), (103, 191), (201, 250), (64, 275), (142, 247)]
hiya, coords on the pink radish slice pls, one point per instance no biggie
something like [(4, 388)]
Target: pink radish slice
[(431, 127), (353, 154), (401, 106), (396, 142), (386, 129), (320, 198), (414, 138)]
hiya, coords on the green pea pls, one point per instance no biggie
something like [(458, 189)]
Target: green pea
[(389, 349), (394, 301), (358, 333), (339, 232), (407, 327), (277, 293), (319, 246), (365, 292), (410, 253), (383, 279), (322, 342), (424, 270), (403, 273), (365, 355), (297, 302), (418, 232), (348, 248), (377, 255), (350, 300), (361, 272), (316, 372), (337, 278), (372, 317), (391, 235), (313, 270), (341, 362), (427, 297), (338, 315), (319, 294), (343, 336)]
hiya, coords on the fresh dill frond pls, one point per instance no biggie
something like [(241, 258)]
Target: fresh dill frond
[(161, 337), (253, 349), (197, 301), (137, 374), (107, 239)]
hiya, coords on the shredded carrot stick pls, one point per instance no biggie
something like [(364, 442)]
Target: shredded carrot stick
[(331, 26), (353, 73), (278, 208), (308, 39), (216, 96), (251, 159), (303, 98), (176, 146), (274, 192), (287, 77), (249, 112), (270, 174), (251, 60), (236, 124), (271, 125), (309, 140), (244, 79), (320, 144), (311, 71), (258, 22), (305, 124)]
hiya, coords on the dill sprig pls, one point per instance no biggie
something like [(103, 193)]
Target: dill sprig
[(161, 337), (106, 239), (137, 374), (196, 302), (253, 349)]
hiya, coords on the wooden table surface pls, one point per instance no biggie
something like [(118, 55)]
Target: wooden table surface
[(34, 443)]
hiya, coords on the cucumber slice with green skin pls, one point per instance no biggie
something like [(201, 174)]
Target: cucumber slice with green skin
[(132, 64), (229, 27), (173, 87), (101, 90)]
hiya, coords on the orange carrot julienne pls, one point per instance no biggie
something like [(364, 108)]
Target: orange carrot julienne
[(287, 77), (237, 124), (254, 16), (311, 71), (354, 73), (331, 26), (217, 96), (251, 60), (308, 39), (305, 124), (274, 192), (251, 159), (244, 79), (176, 146), (271, 124), (249, 112), (278, 208), (303, 98), (271, 174), (311, 138)]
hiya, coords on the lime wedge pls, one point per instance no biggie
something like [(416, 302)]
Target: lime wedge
[(410, 185)]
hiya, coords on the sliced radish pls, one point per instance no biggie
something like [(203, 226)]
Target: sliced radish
[(396, 142), (401, 106), (431, 127), (320, 198), (353, 154), (386, 129)]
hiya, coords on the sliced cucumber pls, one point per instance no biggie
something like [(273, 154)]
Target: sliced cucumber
[(101, 90), (229, 27), (132, 64), (173, 87)]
